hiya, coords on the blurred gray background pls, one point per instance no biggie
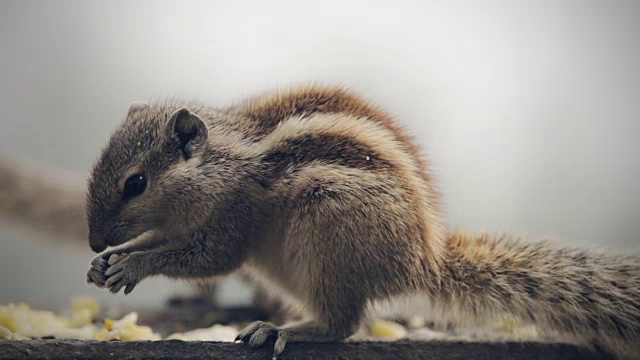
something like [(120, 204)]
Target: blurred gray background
[(529, 110)]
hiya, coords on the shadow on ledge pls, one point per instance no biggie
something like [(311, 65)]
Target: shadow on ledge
[(175, 349)]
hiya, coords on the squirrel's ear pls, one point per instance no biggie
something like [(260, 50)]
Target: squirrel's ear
[(189, 130), (137, 106)]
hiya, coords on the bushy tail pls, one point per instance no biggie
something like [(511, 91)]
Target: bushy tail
[(47, 200), (590, 297)]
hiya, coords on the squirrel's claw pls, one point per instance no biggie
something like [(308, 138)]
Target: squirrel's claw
[(259, 333)]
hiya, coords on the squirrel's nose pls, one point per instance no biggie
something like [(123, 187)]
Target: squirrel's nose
[(98, 248), (96, 245)]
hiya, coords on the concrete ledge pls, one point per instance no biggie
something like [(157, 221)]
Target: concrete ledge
[(175, 349)]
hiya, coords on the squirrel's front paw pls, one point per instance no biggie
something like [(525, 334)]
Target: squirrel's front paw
[(122, 271), (95, 274), (99, 265), (114, 271)]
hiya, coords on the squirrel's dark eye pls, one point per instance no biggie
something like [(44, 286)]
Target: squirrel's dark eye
[(134, 186)]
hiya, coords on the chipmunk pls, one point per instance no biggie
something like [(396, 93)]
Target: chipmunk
[(326, 199)]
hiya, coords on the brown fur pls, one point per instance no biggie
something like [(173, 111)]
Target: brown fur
[(266, 111), (338, 149), (585, 294), (325, 199)]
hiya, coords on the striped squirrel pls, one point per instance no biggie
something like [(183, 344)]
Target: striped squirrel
[(326, 199)]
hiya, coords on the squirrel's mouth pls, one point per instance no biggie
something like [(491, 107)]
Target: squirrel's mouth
[(98, 241), (116, 235), (95, 242), (98, 248)]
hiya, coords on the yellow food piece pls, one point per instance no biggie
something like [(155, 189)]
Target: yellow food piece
[(128, 329), (214, 333), (136, 332), (108, 324), (85, 304), (176, 336), (115, 258), (106, 335), (130, 318), (80, 318), (24, 321), (19, 321), (6, 334), (387, 330), (6, 319)]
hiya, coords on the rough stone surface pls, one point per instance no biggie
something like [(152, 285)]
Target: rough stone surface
[(175, 349)]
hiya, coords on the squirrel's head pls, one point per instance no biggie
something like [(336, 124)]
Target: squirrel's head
[(149, 176)]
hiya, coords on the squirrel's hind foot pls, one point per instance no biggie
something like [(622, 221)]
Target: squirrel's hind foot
[(259, 333)]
